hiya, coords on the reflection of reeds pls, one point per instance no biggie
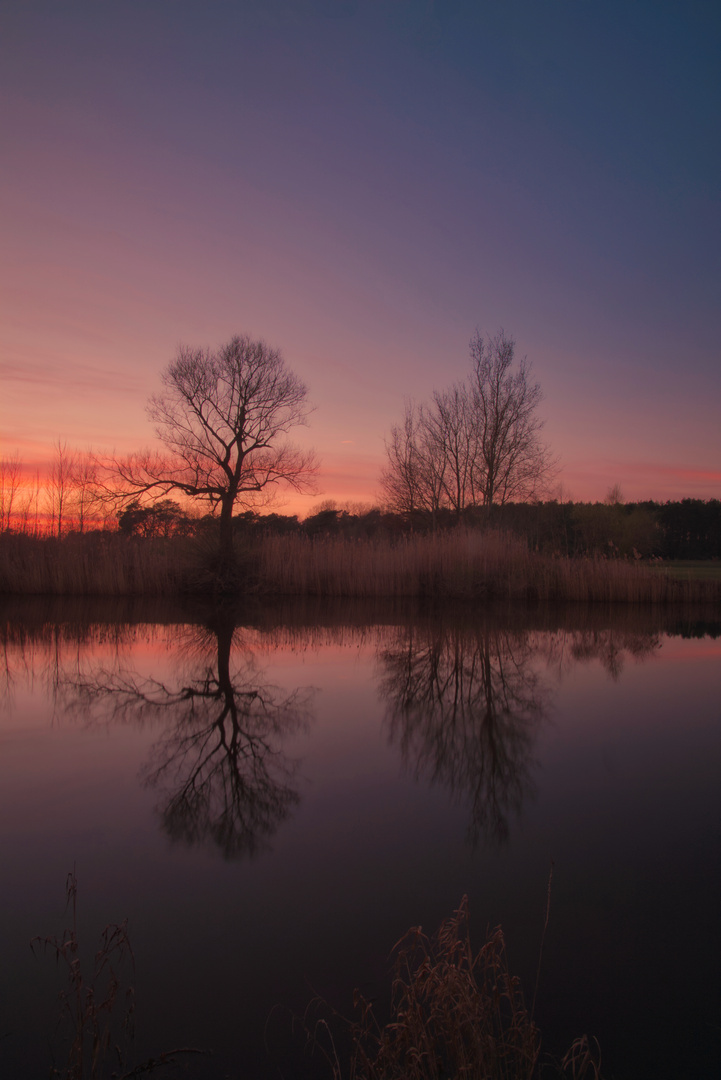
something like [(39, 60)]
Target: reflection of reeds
[(459, 564)]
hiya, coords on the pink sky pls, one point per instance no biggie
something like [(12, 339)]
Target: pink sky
[(152, 197)]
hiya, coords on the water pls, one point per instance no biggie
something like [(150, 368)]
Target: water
[(272, 797)]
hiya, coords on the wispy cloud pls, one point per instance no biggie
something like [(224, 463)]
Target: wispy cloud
[(78, 378)]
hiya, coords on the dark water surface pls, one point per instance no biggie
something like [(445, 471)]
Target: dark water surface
[(272, 797)]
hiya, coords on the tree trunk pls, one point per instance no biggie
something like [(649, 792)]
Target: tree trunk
[(226, 538)]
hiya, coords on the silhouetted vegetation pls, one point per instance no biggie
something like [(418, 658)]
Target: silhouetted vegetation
[(690, 529), (163, 518), (477, 443), (222, 419), (454, 1013), (542, 551)]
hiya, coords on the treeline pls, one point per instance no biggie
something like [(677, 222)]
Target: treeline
[(688, 529)]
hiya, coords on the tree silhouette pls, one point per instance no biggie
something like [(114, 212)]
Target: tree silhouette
[(222, 418), (477, 443), (510, 461)]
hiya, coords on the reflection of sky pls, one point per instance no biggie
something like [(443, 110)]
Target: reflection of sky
[(363, 184), (623, 799)]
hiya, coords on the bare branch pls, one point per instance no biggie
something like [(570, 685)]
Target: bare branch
[(222, 418), (476, 443)]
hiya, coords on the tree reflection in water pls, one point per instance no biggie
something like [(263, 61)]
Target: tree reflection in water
[(219, 766), (464, 705)]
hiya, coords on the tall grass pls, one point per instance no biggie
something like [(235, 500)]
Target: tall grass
[(455, 1013), (98, 1003), (464, 563), (94, 565)]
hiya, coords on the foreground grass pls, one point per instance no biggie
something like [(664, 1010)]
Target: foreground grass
[(454, 1013), (462, 563)]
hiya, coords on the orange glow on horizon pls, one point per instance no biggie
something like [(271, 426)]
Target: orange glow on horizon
[(353, 478)]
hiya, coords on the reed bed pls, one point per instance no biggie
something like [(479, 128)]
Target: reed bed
[(459, 564), (104, 565)]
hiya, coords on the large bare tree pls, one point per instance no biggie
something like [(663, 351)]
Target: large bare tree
[(223, 417)]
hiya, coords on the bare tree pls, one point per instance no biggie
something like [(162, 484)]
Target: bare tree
[(85, 483), (59, 486), (413, 479), (27, 515), (222, 419), (450, 417), (476, 443), (10, 482), (511, 463)]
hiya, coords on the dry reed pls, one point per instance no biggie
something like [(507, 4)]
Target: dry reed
[(89, 1003), (454, 1013), (99, 1009), (463, 563), (104, 565)]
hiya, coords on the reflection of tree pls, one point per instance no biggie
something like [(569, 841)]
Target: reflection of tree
[(613, 649), (463, 705), (219, 768), (464, 702)]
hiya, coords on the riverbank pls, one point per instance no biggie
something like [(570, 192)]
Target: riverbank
[(463, 563)]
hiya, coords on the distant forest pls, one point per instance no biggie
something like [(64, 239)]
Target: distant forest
[(689, 529)]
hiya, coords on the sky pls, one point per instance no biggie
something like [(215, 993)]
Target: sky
[(364, 185)]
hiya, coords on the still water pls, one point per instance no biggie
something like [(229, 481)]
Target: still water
[(272, 797)]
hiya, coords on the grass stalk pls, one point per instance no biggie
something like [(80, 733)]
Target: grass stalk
[(459, 564)]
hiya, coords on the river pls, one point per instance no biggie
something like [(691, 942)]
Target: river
[(271, 796)]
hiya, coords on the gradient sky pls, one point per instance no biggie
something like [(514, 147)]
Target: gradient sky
[(363, 184)]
